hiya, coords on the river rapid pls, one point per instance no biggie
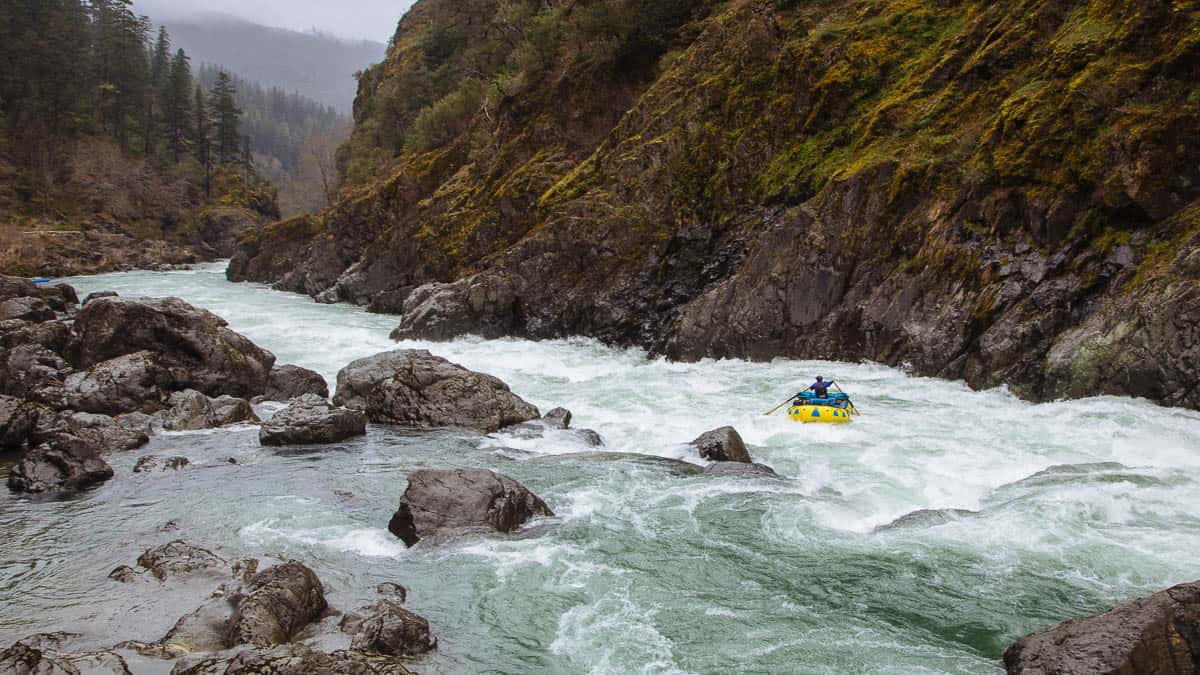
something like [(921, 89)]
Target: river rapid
[(1068, 509)]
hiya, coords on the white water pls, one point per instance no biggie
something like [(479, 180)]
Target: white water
[(649, 570)]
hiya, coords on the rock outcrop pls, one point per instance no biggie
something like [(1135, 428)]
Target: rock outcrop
[(1159, 634), (722, 445), (154, 463), (939, 202), (440, 502), (295, 660), (18, 421), (416, 388), (557, 420), (195, 346), (181, 559), (288, 382), (42, 655), (276, 604), (310, 419)]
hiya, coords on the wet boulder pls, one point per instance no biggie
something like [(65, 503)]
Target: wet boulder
[(100, 432), (18, 421), (123, 384), (288, 382), (100, 294), (195, 345), (416, 388), (739, 470), (437, 502), (1159, 634), (311, 419), (67, 464), (722, 445), (33, 310), (180, 559), (55, 336), (154, 463), (388, 628), (32, 372), (191, 411), (275, 605), (43, 655)]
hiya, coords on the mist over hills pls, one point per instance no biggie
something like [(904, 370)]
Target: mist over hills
[(315, 65)]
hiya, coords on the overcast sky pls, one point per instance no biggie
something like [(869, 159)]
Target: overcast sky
[(370, 19)]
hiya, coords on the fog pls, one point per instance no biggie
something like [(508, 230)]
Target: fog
[(366, 19)]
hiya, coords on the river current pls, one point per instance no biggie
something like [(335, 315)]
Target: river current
[(1041, 512)]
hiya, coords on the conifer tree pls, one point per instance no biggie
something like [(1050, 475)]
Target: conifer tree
[(177, 106), (202, 141), (227, 117)]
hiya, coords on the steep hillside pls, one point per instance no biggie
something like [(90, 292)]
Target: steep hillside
[(320, 67), (1000, 192)]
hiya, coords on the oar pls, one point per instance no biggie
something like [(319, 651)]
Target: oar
[(772, 410), (852, 406)]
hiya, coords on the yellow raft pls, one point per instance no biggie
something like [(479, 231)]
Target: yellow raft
[(825, 414)]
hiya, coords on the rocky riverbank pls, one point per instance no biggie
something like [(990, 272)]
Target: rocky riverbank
[(84, 382)]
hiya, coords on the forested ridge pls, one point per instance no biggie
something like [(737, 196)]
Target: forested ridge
[(105, 128)]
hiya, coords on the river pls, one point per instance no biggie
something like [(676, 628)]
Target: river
[(1074, 507)]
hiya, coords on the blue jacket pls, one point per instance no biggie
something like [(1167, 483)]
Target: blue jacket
[(821, 388)]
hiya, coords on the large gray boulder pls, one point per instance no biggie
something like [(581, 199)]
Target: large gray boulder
[(416, 388), (310, 419), (58, 297), (1159, 634), (101, 433), (66, 465), (722, 445), (123, 384), (288, 382), (195, 345), (34, 373), (437, 502), (739, 470), (192, 410)]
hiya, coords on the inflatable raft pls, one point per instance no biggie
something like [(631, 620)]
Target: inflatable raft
[(832, 410)]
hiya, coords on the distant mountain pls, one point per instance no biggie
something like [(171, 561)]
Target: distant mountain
[(318, 66)]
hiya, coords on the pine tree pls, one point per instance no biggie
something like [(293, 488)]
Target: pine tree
[(160, 68), (122, 71), (177, 106), (227, 117), (202, 141)]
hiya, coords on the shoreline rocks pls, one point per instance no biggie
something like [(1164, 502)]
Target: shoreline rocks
[(191, 411), (415, 388), (445, 501), (1157, 634)]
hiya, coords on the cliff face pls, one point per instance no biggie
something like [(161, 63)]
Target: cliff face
[(1001, 192)]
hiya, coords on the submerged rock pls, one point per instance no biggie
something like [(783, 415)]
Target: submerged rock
[(1159, 634), (155, 463), (42, 655), (179, 558), (68, 464), (722, 445), (311, 419), (416, 388), (437, 502), (294, 660), (740, 470), (926, 518), (558, 419), (393, 630), (288, 382), (195, 345)]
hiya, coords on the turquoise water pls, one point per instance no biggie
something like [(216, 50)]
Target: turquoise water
[(1074, 506)]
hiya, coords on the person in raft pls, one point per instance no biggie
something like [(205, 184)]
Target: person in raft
[(820, 387)]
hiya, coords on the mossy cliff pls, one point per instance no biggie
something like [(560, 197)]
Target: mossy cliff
[(1002, 192)]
